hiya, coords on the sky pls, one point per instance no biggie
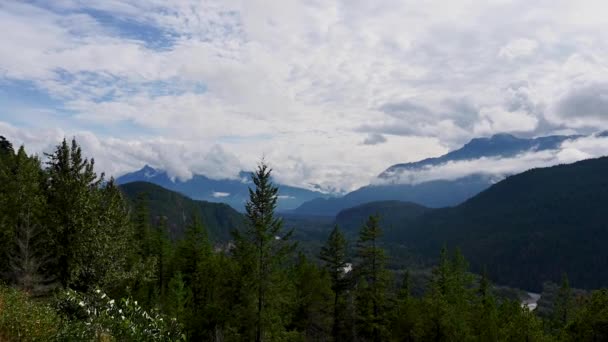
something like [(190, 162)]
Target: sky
[(330, 93)]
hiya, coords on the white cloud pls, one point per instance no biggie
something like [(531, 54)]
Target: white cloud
[(569, 152), (210, 86), (518, 48), (219, 194), (497, 120)]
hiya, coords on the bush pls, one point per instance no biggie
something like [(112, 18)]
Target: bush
[(24, 319), (98, 317)]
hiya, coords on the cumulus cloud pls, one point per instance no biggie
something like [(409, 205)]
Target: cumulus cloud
[(210, 86)]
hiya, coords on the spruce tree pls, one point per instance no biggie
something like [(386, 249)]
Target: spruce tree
[(263, 248), (28, 256), (334, 253), (88, 222), (70, 192), (563, 306), (373, 280)]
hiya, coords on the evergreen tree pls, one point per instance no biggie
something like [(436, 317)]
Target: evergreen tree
[(263, 248), (26, 204), (6, 148), (333, 253), (403, 316), (70, 192), (163, 253), (487, 313), (177, 296), (313, 299), (372, 284), (446, 304), (195, 261), (564, 304)]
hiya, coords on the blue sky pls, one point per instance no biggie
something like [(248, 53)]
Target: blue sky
[(330, 92)]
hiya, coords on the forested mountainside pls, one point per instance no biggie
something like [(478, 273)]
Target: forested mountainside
[(526, 229), (84, 263), (178, 210)]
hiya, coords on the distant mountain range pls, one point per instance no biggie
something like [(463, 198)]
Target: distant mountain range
[(527, 229), (233, 192), (436, 193)]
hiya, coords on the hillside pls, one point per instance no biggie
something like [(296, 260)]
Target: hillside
[(528, 228), (218, 218), (393, 215)]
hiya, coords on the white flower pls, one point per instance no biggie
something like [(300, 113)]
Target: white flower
[(123, 317), (97, 291), (112, 302), (103, 296), (135, 302), (81, 303), (119, 310)]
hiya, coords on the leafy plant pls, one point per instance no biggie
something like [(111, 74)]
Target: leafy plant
[(98, 317)]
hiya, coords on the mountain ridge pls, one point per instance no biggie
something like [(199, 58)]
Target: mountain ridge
[(233, 192), (441, 192)]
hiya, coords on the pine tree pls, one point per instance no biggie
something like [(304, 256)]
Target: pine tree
[(403, 316), (265, 244), (195, 261), (71, 181), (5, 147), (487, 314), (177, 296), (313, 299), (333, 253), (563, 306), (372, 284), (29, 257)]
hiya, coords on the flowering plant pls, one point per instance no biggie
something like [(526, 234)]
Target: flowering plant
[(97, 316)]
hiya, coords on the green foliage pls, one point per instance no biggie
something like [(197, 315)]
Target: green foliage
[(313, 300), (590, 323), (88, 221), (98, 317), (23, 319)]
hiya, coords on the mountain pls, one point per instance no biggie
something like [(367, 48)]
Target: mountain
[(436, 193), (393, 215), (526, 229), (219, 219), (233, 192), (498, 145)]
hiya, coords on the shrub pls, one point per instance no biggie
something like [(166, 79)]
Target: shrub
[(24, 319), (98, 317)]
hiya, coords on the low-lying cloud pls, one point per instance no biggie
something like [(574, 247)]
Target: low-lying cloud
[(497, 168), (219, 194)]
